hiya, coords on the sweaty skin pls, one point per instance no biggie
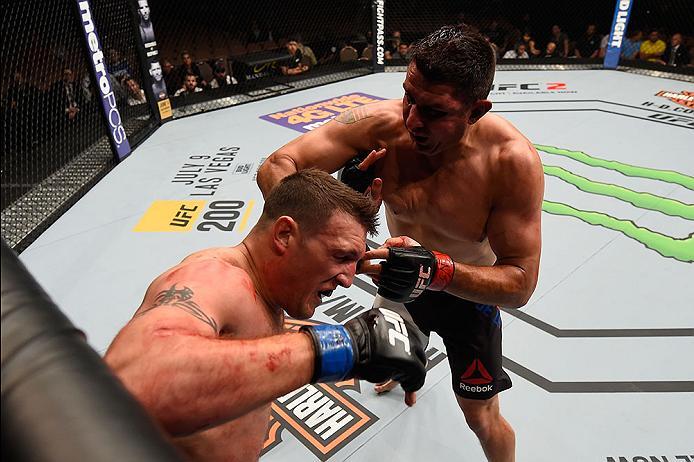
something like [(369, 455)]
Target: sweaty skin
[(179, 306), (204, 353), (454, 179)]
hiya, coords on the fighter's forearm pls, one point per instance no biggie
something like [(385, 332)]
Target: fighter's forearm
[(504, 285), (275, 167), (189, 383)]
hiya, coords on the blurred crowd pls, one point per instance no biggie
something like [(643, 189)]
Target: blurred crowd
[(71, 99)]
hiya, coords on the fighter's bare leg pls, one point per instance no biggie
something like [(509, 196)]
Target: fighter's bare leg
[(494, 432)]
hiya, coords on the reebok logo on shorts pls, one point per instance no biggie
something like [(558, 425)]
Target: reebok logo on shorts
[(476, 379)]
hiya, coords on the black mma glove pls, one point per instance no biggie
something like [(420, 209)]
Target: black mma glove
[(408, 271), (359, 180), (377, 345)]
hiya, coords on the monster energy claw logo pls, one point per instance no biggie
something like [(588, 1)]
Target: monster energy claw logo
[(681, 249)]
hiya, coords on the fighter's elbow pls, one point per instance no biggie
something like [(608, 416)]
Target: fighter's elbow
[(519, 301), (275, 167), (523, 289)]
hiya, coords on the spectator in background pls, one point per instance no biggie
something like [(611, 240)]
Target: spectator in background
[(257, 34), (603, 46), (136, 95), (561, 40), (403, 52), (190, 86), (495, 35), (529, 42), (220, 78), (497, 52), (519, 52), (652, 49), (309, 57), (171, 77), (631, 44), (295, 65), (358, 41), (118, 66), (330, 56), (67, 96), (676, 53), (551, 50), (588, 45), (393, 42), (146, 29), (86, 84), (21, 103), (189, 67)]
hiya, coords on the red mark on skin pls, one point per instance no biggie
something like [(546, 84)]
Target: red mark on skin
[(249, 287), (275, 359)]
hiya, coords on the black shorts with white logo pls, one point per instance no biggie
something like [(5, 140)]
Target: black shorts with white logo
[(472, 335)]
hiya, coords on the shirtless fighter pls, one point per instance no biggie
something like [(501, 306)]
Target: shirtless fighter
[(206, 345), (463, 183)]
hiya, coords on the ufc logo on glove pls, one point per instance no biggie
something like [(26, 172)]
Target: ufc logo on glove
[(422, 281), (398, 331)]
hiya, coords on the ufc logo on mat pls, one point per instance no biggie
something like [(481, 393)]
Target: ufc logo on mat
[(422, 281), (398, 331)]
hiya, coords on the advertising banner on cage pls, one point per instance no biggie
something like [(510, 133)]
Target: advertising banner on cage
[(617, 33), (97, 63), (154, 84), (378, 14)]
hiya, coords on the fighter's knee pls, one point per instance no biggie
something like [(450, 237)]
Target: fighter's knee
[(481, 417), (479, 421)]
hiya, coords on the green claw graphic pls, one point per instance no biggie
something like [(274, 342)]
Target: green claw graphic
[(667, 246), (668, 176)]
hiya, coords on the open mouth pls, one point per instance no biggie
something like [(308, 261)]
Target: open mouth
[(324, 293), (419, 139)]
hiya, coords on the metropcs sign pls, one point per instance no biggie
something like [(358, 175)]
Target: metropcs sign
[(108, 99)]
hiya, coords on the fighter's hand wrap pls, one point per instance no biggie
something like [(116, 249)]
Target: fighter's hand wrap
[(376, 346), (359, 180), (408, 271)]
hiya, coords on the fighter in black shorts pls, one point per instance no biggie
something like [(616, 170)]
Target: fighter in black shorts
[(471, 333), (458, 180)]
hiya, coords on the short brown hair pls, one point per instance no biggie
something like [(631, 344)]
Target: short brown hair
[(457, 55), (312, 196)]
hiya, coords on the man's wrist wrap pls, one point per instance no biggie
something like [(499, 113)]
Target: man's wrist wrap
[(334, 352), (445, 269)]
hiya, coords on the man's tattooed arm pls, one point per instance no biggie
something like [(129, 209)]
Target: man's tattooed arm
[(353, 115), (183, 299)]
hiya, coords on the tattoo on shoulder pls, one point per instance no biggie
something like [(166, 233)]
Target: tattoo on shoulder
[(353, 115), (182, 299)]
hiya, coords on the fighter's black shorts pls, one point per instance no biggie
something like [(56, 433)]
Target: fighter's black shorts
[(472, 335)]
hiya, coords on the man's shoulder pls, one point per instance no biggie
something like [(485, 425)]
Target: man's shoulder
[(512, 150), (208, 273), (214, 257), (378, 117), (387, 114), (386, 109)]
